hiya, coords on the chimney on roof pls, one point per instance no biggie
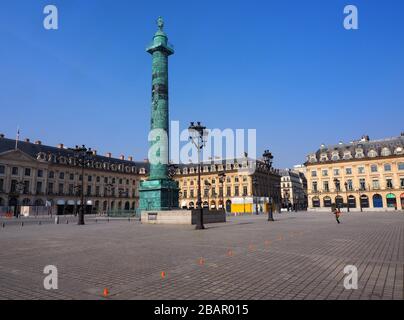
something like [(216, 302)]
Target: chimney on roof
[(340, 143), (60, 145), (130, 158), (38, 142), (26, 139), (122, 157), (108, 155), (94, 152), (1, 135), (365, 138)]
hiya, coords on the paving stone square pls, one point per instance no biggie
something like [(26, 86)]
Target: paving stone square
[(299, 256)]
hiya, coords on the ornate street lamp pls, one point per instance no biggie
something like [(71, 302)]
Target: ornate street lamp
[(83, 157), (255, 199), (108, 188), (346, 194), (337, 186), (198, 135), (268, 160), (222, 177)]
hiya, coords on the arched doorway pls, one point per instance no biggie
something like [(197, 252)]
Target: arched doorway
[(377, 201), (316, 202), (191, 205), (13, 202), (127, 205), (391, 201), (327, 202), (60, 205), (104, 206), (364, 201), (339, 201), (213, 204), (205, 204), (70, 207), (228, 206), (39, 203), (402, 201), (351, 201), (26, 202)]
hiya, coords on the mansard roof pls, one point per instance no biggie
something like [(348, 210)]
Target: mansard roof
[(359, 149)]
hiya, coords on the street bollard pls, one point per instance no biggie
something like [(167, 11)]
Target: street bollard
[(40, 222), (67, 221), (22, 224), (4, 224), (57, 220)]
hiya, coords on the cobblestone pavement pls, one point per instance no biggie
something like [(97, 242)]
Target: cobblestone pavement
[(300, 256)]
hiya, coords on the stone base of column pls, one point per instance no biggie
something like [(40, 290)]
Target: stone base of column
[(159, 195)]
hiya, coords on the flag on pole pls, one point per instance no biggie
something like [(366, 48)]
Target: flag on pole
[(17, 138)]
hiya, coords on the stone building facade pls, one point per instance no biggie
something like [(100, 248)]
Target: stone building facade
[(35, 175), (239, 186), (362, 175), (293, 190)]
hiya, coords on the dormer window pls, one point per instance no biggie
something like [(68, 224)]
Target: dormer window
[(386, 152), (347, 155), (324, 157), (399, 150), (312, 158), (372, 153), (359, 153), (335, 156)]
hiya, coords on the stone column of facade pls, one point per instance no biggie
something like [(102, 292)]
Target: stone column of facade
[(159, 192)]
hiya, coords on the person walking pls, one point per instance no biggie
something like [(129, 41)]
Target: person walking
[(337, 213)]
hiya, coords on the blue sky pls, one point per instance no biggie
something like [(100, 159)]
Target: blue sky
[(287, 68)]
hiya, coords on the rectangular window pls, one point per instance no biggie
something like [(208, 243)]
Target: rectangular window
[(2, 169), (40, 173), (325, 173), (51, 175), (71, 189), (348, 170), (229, 191), (245, 191), (389, 183), (88, 190), (326, 186), (361, 170), (336, 172), (314, 173), (221, 192), (400, 166), (106, 180), (206, 193), (90, 178), (350, 184), (387, 167), (192, 193), (362, 184), (185, 194), (61, 175), (236, 191), (39, 187), (376, 184), (402, 183), (60, 188), (14, 171), (50, 188), (26, 187), (373, 168), (315, 187), (27, 172), (71, 176), (1, 185), (13, 187), (97, 191)]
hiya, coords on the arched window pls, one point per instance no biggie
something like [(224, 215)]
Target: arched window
[(104, 206), (26, 202), (377, 201), (391, 201), (127, 205), (402, 201), (352, 202), (327, 202), (364, 201), (316, 202), (339, 201), (39, 203)]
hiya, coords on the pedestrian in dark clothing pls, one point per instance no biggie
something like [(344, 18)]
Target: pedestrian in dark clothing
[(337, 213)]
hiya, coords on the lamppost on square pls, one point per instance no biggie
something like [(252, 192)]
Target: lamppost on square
[(255, 199), (83, 157), (198, 135), (337, 186), (222, 177), (346, 193), (268, 160)]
